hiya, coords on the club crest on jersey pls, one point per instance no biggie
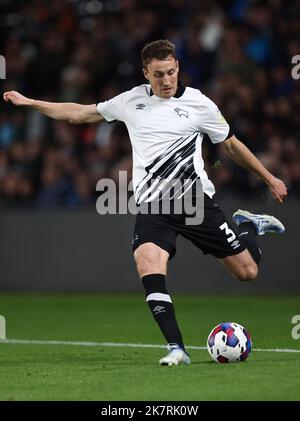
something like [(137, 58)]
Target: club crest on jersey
[(181, 112), (140, 106)]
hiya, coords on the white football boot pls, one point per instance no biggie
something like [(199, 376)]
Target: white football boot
[(175, 356), (262, 223)]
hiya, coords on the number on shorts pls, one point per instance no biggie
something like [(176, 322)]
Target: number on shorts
[(228, 232)]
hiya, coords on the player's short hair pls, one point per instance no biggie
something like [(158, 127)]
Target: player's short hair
[(160, 50)]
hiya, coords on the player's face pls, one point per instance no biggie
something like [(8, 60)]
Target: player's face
[(163, 76)]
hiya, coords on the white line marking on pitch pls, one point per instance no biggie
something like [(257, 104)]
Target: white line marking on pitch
[(121, 345)]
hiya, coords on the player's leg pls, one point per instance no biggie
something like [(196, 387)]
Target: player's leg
[(151, 261), (244, 265), (250, 226), (238, 251)]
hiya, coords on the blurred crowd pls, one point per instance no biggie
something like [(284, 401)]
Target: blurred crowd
[(236, 52)]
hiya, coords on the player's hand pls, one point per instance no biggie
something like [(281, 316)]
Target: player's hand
[(16, 98), (278, 190)]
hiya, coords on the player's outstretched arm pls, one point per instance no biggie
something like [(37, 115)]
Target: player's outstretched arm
[(245, 158), (68, 111)]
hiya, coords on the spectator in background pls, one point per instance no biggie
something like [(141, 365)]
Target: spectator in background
[(238, 54)]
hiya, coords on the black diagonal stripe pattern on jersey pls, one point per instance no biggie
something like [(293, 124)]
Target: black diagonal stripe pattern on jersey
[(174, 145), (177, 186), (171, 148), (187, 181), (170, 166)]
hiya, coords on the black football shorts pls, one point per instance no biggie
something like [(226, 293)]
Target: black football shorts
[(215, 235)]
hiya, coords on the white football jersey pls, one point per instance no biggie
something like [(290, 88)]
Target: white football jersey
[(166, 135)]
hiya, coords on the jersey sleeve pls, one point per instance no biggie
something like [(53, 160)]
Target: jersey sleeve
[(112, 109), (214, 124)]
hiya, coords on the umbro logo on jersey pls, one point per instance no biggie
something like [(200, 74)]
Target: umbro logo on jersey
[(140, 106), (181, 112)]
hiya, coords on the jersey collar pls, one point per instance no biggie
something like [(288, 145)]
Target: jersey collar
[(180, 91)]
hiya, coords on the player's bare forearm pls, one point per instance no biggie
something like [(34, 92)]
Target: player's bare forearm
[(67, 111), (239, 152)]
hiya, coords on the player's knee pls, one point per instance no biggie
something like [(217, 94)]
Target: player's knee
[(149, 260), (248, 273), (144, 265)]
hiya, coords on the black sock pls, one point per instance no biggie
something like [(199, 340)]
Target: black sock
[(162, 308), (247, 233)]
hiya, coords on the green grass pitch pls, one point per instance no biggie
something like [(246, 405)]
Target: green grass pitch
[(73, 372)]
